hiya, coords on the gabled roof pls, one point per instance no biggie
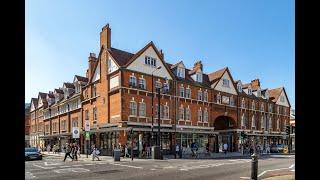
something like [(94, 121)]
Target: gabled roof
[(60, 91), (245, 86), (69, 85), (50, 95), (172, 66), (214, 77), (43, 95), (275, 93), (121, 57), (81, 78), (35, 102)]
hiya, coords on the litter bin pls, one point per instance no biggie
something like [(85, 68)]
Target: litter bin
[(155, 152), (117, 154)]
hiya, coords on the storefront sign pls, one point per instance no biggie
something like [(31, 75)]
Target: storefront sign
[(87, 135), (75, 133)]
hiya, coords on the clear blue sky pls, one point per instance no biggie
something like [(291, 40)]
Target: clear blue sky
[(254, 38)]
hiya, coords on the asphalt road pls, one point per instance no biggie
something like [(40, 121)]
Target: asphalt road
[(52, 167)]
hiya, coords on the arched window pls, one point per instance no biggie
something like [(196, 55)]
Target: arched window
[(253, 105), (142, 109), (188, 114), (200, 117)]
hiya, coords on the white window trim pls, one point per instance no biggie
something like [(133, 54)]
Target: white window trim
[(186, 93), (136, 109), (140, 103)]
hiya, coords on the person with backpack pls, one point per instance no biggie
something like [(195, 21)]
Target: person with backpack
[(68, 151)]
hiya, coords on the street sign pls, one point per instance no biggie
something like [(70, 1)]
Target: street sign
[(75, 133), (87, 135), (87, 125)]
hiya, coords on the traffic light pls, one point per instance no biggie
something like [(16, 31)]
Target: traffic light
[(288, 130)]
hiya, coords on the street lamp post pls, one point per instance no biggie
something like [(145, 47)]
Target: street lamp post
[(152, 139)]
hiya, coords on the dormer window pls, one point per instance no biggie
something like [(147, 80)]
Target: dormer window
[(150, 61), (77, 87), (249, 91), (239, 86), (225, 82), (180, 72), (258, 93), (199, 77)]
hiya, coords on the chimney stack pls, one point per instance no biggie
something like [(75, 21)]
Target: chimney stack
[(161, 53), (105, 37), (92, 61), (255, 83), (198, 65)]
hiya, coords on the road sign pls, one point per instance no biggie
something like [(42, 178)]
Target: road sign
[(75, 133), (87, 135), (87, 125)]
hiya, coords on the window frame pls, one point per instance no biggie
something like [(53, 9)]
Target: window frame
[(131, 105), (142, 108)]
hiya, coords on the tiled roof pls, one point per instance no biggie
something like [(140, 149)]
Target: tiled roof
[(121, 57), (81, 78), (50, 95), (216, 75), (275, 93), (43, 95), (69, 85), (35, 102), (60, 91), (245, 86)]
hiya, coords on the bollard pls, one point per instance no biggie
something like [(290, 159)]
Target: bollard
[(254, 167)]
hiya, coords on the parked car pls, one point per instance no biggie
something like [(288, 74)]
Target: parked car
[(32, 153), (276, 148)]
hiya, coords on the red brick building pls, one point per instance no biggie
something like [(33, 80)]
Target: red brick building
[(27, 125), (116, 95)]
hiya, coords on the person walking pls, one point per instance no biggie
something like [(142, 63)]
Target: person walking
[(95, 153), (148, 151), (79, 152), (126, 151), (68, 151), (75, 152), (225, 148)]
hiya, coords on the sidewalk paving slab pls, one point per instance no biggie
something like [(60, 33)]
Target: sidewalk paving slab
[(284, 177)]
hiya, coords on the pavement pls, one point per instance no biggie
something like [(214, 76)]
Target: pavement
[(53, 167)]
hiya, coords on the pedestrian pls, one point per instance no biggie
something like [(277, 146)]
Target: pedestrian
[(267, 149), (79, 150), (95, 153), (148, 151), (68, 151), (75, 152), (48, 148), (126, 151), (225, 148), (177, 149)]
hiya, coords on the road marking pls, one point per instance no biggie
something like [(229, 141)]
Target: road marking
[(244, 177), (292, 170), (168, 167), (43, 167), (88, 164), (65, 166), (29, 175), (127, 165), (270, 171), (152, 169), (52, 164), (291, 166), (77, 165), (71, 170)]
